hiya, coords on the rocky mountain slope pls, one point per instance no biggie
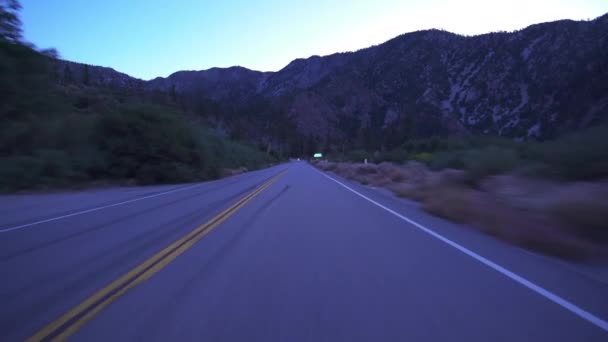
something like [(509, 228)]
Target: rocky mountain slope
[(538, 82)]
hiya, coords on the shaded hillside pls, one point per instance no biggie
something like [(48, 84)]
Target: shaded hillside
[(232, 84), (535, 83), (89, 124)]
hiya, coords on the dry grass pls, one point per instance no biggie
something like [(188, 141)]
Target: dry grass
[(585, 211), (566, 220), (533, 230), (366, 169), (454, 203)]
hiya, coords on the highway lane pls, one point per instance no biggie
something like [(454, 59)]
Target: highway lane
[(305, 260), (48, 268)]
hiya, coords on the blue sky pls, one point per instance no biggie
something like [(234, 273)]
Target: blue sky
[(149, 38)]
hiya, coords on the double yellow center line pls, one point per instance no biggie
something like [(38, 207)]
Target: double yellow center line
[(66, 325)]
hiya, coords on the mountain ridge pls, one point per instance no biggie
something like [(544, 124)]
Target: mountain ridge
[(537, 82)]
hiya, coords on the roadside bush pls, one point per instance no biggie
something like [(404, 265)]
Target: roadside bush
[(367, 169), (356, 156), (581, 155), (329, 166), (394, 172), (450, 202), (19, 172), (55, 164), (398, 156), (587, 217), (447, 160), (240, 154), (577, 156), (45, 168), (489, 161), (423, 157), (58, 132), (149, 146), (478, 163)]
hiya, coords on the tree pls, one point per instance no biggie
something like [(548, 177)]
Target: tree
[(312, 146), (173, 94), (67, 74), (10, 24), (51, 53), (86, 77)]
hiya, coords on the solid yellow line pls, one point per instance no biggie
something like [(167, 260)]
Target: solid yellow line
[(150, 272), (153, 265), (143, 277)]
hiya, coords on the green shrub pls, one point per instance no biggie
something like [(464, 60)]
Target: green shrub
[(233, 155), (577, 156), (398, 156), (149, 146), (447, 160), (534, 169), (46, 168), (356, 156), (489, 161), (423, 157), (145, 144), (56, 132), (19, 172), (55, 164)]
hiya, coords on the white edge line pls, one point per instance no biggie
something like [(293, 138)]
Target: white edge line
[(5, 230), (586, 315)]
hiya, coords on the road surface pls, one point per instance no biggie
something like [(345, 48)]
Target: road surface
[(282, 254)]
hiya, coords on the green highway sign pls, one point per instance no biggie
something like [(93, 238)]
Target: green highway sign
[(318, 155)]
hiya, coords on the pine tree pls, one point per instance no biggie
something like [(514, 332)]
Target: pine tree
[(67, 74), (86, 76), (173, 94), (10, 25)]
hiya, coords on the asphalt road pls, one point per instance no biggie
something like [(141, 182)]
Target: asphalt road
[(282, 254)]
